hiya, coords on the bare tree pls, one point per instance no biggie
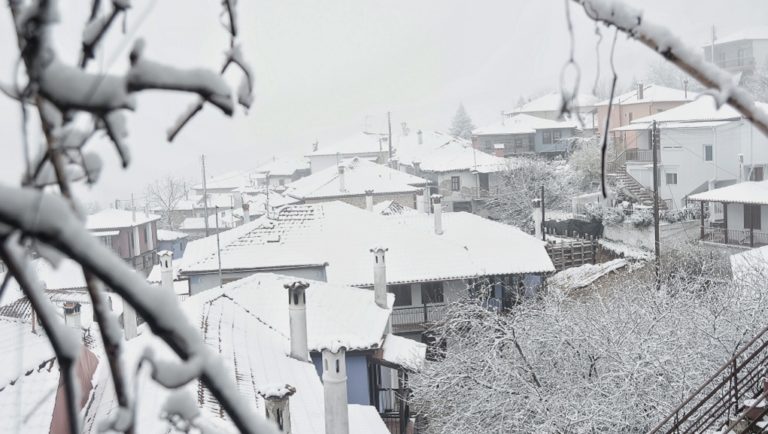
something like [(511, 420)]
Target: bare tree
[(49, 223), (164, 195)]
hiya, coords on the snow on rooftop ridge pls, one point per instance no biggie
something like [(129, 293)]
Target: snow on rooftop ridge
[(454, 157), (652, 93), (283, 166), (749, 33), (702, 109), (166, 235), (552, 102), (118, 218), (360, 143), (522, 123)]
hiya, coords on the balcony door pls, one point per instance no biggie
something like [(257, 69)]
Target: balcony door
[(752, 217)]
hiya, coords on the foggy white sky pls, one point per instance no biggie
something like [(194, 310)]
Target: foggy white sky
[(325, 70)]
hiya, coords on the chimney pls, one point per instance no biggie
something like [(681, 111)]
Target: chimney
[(166, 269), (342, 187), (537, 218), (420, 136), (72, 314), (335, 389), (246, 213), (405, 128), (380, 277), (436, 199), (130, 326), (297, 314), (420, 200), (276, 405), (640, 91), (369, 200), (417, 168)]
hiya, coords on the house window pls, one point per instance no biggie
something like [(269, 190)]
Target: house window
[(557, 135), (756, 174), (708, 153), (752, 217), (432, 292), (546, 137), (629, 116), (402, 294), (671, 178), (455, 183), (518, 142)]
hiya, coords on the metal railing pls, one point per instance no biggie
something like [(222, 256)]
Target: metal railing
[(721, 402), (614, 165), (417, 315), (643, 155), (735, 237)]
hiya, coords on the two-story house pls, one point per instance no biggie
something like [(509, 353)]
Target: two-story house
[(131, 234), (369, 146), (280, 172), (740, 52), (523, 134), (701, 147), (548, 106), (644, 100)]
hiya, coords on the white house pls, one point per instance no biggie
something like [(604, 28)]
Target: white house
[(742, 52), (548, 106), (280, 172), (370, 146), (525, 134), (700, 146)]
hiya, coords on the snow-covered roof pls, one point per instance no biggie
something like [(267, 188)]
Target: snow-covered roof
[(389, 207), (360, 143), (283, 166), (749, 33), (300, 235), (68, 275), (117, 218), (652, 93), (750, 192), (487, 243), (455, 157), (359, 175), (226, 220), (230, 180), (522, 124), (400, 351), (552, 102), (244, 324), (166, 235)]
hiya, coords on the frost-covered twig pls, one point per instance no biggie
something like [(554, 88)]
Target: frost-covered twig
[(50, 219), (96, 28), (65, 341), (660, 39)]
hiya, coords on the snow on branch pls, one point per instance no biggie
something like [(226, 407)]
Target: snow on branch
[(97, 27), (660, 39), (51, 220)]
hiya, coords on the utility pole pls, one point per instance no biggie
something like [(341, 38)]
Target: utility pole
[(266, 199), (205, 195), (218, 245), (543, 235), (389, 129), (656, 245)]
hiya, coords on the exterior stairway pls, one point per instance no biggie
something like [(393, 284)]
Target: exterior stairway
[(642, 194)]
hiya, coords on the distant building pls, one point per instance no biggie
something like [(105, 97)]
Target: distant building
[(550, 105), (523, 134), (281, 172), (130, 234), (369, 146), (742, 52), (172, 241)]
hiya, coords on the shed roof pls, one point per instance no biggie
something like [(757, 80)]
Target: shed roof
[(750, 192)]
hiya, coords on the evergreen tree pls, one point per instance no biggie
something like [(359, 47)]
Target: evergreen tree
[(462, 124)]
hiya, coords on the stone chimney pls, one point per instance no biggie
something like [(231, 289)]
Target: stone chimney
[(342, 186), (166, 269), (297, 315), (72, 314), (420, 201), (276, 405), (335, 389), (537, 222), (369, 200), (246, 213), (380, 276), (640, 91), (420, 137), (438, 206)]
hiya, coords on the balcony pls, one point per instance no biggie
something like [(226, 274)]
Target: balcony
[(416, 317), (640, 155), (735, 237)]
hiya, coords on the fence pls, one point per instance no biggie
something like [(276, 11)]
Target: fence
[(573, 253), (405, 317), (645, 155), (735, 237)]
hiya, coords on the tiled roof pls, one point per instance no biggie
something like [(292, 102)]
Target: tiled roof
[(359, 175)]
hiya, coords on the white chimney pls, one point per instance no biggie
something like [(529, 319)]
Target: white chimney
[(369, 200), (420, 137), (640, 91), (297, 315), (72, 314), (537, 222), (246, 213), (335, 389), (420, 201), (342, 186), (380, 277), (166, 269), (438, 206), (276, 405), (130, 325)]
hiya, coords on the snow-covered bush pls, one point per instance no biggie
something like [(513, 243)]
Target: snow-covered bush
[(641, 218), (605, 214)]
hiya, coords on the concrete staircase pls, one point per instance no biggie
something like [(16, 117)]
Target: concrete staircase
[(642, 194)]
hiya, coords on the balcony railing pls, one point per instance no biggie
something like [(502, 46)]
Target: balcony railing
[(417, 315), (735, 237), (642, 155)]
